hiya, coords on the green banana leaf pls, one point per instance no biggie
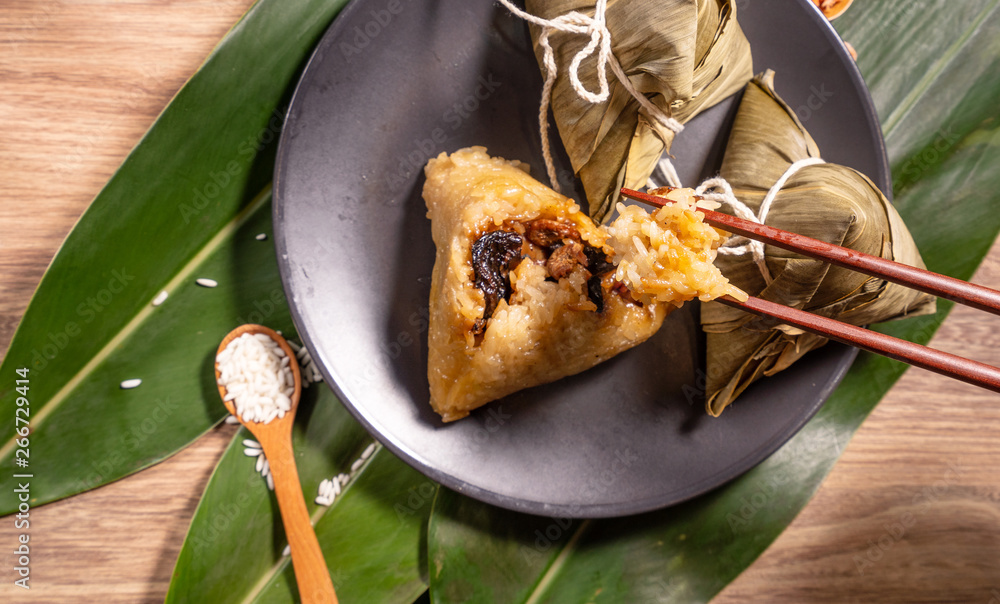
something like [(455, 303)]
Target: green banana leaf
[(186, 204), (944, 141), (370, 535)]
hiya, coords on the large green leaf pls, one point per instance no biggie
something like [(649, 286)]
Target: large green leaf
[(186, 204), (371, 536), (934, 72)]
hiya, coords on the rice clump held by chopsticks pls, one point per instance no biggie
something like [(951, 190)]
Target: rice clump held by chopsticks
[(255, 372), (669, 256)]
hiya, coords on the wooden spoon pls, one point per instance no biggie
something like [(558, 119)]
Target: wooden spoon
[(275, 437)]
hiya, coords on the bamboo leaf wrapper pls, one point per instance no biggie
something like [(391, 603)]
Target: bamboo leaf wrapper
[(684, 55), (825, 201)]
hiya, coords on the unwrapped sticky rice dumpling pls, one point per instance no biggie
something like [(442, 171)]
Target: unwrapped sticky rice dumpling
[(523, 289)]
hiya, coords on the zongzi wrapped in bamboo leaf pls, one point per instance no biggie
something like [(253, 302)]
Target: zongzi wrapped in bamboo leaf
[(683, 55), (830, 202)]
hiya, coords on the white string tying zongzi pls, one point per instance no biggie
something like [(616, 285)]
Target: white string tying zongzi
[(578, 23), (718, 190)]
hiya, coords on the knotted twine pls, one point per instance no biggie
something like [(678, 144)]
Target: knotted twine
[(595, 27), (713, 189)]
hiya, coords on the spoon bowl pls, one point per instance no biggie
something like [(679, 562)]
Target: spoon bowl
[(275, 438)]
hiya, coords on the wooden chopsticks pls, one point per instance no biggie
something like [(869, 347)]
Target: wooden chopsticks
[(919, 279), (976, 296)]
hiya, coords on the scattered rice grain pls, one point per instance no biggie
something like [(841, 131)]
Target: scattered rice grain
[(261, 236), (160, 298), (207, 282), (368, 451), (129, 384)]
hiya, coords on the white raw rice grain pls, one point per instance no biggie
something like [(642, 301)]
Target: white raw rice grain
[(249, 442), (260, 463), (270, 482), (368, 451), (261, 236), (329, 490), (252, 452), (287, 551), (266, 470), (256, 381), (160, 298), (129, 384), (357, 465), (232, 419), (207, 282), (307, 368)]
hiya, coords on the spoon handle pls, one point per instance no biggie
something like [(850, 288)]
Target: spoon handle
[(311, 574)]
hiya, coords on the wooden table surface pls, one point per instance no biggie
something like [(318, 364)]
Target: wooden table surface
[(82, 80)]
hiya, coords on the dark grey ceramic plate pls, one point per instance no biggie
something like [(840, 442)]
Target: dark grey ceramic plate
[(384, 92)]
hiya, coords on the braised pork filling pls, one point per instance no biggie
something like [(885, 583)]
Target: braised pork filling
[(555, 244)]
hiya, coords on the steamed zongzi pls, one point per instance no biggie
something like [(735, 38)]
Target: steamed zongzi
[(683, 55), (825, 201), (522, 290), (525, 289)]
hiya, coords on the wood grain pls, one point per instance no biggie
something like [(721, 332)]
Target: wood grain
[(81, 83)]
